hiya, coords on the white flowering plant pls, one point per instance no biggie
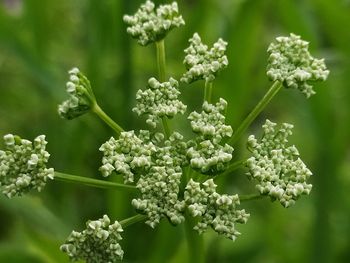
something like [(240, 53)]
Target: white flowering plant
[(173, 177)]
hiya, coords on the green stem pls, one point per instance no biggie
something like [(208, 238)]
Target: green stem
[(161, 59), (245, 198), (103, 116), (166, 127), (194, 241), (232, 167), (276, 86), (208, 91), (162, 78), (92, 182), (132, 220)]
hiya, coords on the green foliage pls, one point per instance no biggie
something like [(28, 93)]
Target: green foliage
[(38, 47)]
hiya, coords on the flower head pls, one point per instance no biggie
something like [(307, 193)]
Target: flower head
[(280, 172), (23, 165), (99, 242), (202, 62), (126, 155), (159, 100), (159, 195), (214, 210), (291, 63), (81, 98), (148, 25), (207, 154)]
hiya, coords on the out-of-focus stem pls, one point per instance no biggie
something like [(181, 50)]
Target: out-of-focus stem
[(208, 91), (132, 220)]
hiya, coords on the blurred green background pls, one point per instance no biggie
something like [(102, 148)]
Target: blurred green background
[(41, 40)]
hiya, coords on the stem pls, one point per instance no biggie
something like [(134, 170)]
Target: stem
[(161, 59), (161, 74), (103, 116), (208, 91), (166, 127), (194, 242), (276, 86), (245, 198), (132, 220), (232, 167), (92, 182)]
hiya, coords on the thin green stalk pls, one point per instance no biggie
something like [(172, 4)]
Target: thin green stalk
[(166, 127), (103, 116), (208, 91), (162, 78), (132, 220), (276, 86), (245, 198), (92, 182), (161, 60), (194, 240), (232, 167)]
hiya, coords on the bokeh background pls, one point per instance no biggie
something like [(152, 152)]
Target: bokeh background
[(41, 40)]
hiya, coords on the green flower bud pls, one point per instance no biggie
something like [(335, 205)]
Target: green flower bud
[(81, 98)]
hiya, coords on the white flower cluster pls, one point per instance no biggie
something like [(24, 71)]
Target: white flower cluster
[(159, 100), (126, 155), (280, 172), (159, 195), (148, 25), (291, 63), (23, 165), (157, 165), (81, 97), (207, 154), (204, 63), (99, 242), (214, 210)]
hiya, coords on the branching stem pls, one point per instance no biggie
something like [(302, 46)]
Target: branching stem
[(245, 198), (276, 86), (160, 47), (232, 167), (132, 220), (103, 116), (93, 182)]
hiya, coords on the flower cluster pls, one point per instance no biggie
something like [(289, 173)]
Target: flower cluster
[(280, 172), (159, 100), (214, 210), (157, 164), (126, 155), (81, 98), (23, 165), (159, 195), (207, 154), (99, 242), (291, 63), (204, 63), (148, 25)]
